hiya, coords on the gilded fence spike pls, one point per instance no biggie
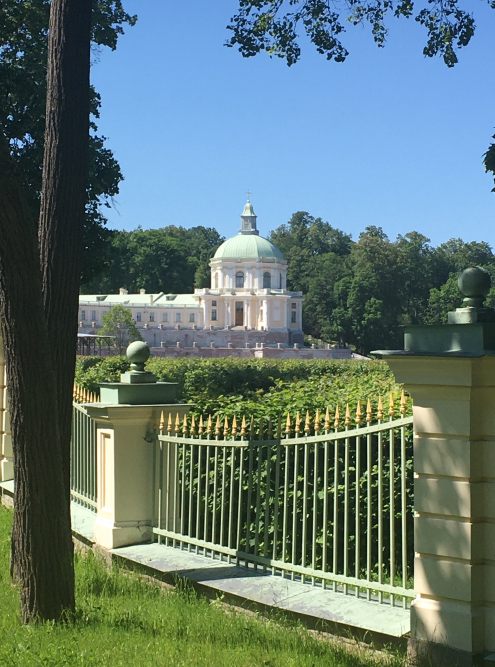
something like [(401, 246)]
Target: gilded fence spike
[(270, 429), (307, 423), (209, 425), (347, 420), (177, 423), (243, 426), (403, 403), (169, 423), (336, 421), (297, 428), (184, 425), (201, 426), (358, 413), (369, 411), (317, 421), (261, 430), (161, 423), (225, 427), (287, 424), (279, 426), (326, 425), (218, 426), (192, 430), (251, 428), (391, 406), (379, 414), (234, 426)]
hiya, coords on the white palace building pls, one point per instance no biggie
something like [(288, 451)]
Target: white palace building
[(248, 303)]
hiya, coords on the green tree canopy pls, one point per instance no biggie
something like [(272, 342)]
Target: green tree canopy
[(23, 57), (170, 259), (118, 322)]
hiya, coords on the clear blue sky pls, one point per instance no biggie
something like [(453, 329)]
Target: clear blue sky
[(387, 138)]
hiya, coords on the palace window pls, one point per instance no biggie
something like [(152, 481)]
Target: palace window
[(152, 317), (164, 317), (93, 315), (239, 279), (267, 280), (280, 281), (178, 317), (192, 317), (83, 315), (213, 303), (138, 317), (213, 315)]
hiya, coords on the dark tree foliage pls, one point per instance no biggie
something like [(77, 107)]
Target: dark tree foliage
[(276, 26), (361, 292), (170, 259), (23, 57)]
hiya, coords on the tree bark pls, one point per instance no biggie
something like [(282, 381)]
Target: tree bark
[(39, 281), (63, 199)]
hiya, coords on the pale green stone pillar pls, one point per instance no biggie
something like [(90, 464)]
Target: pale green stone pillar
[(449, 371), (125, 416)]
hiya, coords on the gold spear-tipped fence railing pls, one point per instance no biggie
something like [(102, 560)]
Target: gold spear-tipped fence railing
[(83, 450), (327, 500)]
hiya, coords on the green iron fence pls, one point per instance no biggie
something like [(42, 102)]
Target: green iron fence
[(83, 453), (314, 501)]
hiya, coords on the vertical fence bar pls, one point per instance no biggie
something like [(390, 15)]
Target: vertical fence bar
[(335, 509), (357, 529), (286, 507), (258, 507), (249, 498), (294, 508), (222, 506), (392, 512), (267, 502), (276, 503), (403, 507), (325, 509), (315, 509), (380, 513), (305, 508), (191, 499), (183, 493), (239, 501), (215, 500), (369, 465), (231, 500), (207, 490)]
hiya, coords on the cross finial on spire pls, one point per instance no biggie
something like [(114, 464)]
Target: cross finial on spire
[(249, 193)]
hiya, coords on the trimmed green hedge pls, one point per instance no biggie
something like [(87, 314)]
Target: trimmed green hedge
[(259, 387)]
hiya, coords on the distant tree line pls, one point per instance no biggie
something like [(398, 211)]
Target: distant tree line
[(361, 292), (171, 260), (356, 292)]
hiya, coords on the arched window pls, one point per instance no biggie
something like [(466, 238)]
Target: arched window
[(216, 280), (239, 279), (267, 280), (280, 281)]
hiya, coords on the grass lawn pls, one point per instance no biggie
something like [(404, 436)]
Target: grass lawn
[(125, 620)]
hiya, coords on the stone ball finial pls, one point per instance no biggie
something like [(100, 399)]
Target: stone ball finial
[(138, 354), (474, 284)]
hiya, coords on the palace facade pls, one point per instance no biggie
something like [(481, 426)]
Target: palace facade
[(247, 303)]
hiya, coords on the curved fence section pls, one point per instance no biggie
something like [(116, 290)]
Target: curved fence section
[(312, 500)]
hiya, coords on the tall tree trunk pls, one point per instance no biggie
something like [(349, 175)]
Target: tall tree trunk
[(39, 281), (65, 174)]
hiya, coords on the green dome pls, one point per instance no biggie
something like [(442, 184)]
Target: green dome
[(247, 246)]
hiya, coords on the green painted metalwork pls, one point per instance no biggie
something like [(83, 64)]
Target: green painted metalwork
[(83, 458), (291, 506)]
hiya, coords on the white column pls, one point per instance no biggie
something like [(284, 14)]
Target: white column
[(286, 314), (206, 311)]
